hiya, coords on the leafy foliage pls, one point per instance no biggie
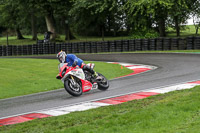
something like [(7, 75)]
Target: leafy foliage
[(98, 17)]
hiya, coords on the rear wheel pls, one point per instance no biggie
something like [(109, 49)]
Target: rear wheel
[(73, 87), (102, 82)]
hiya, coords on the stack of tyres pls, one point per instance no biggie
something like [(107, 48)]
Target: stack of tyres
[(4, 50), (197, 42), (118, 45), (25, 50), (30, 49), (112, 46), (152, 44), (9, 50), (166, 44), (181, 44), (125, 45), (14, 50), (138, 44), (19, 50), (52, 48), (189, 43), (174, 44), (93, 47), (63, 46), (69, 47), (87, 47), (100, 47), (81, 46), (105, 46), (40, 48), (57, 48), (46, 48), (145, 44), (75, 48), (35, 49), (1, 50), (159, 43), (131, 45)]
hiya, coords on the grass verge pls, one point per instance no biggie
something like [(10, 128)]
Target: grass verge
[(27, 76), (177, 111)]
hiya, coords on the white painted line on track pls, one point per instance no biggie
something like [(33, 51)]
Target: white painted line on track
[(73, 108)]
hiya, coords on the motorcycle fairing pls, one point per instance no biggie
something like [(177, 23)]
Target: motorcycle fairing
[(86, 85)]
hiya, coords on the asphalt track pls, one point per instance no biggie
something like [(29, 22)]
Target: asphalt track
[(172, 69)]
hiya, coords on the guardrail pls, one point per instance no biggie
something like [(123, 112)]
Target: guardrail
[(188, 43)]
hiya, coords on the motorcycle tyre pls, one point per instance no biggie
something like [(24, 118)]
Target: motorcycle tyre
[(70, 91), (101, 86)]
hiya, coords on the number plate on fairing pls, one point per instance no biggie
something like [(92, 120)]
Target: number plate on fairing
[(94, 86)]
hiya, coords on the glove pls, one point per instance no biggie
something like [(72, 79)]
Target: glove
[(74, 64)]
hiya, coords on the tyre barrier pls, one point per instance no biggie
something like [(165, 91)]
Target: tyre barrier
[(174, 44), (189, 43)]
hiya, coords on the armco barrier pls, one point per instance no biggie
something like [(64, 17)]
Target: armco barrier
[(188, 43)]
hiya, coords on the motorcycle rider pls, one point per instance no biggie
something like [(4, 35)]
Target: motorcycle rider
[(73, 61)]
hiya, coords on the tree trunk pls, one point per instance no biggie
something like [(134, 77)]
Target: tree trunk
[(197, 29), (196, 26), (177, 26), (19, 34), (109, 24), (51, 25), (34, 27), (102, 32), (161, 27), (67, 36), (68, 33)]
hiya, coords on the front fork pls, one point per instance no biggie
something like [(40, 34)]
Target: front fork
[(73, 82)]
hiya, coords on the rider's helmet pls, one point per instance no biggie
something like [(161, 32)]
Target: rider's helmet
[(61, 56)]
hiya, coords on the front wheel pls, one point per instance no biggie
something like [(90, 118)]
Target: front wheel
[(102, 82), (73, 88)]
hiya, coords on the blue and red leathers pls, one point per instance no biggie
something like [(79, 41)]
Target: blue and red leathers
[(73, 59)]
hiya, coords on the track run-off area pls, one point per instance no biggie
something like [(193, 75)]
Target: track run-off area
[(168, 70)]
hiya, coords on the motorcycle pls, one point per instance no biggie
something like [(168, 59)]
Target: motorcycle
[(76, 81)]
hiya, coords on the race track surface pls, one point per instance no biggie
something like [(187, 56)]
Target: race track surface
[(172, 69)]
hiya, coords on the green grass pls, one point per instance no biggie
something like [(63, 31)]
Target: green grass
[(14, 41), (27, 76), (177, 111)]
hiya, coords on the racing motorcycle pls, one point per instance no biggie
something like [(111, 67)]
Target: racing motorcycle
[(76, 81)]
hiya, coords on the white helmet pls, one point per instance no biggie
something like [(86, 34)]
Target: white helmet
[(61, 56)]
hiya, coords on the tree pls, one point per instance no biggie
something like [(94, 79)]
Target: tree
[(147, 13), (196, 15), (11, 17), (95, 17), (51, 8), (179, 12)]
